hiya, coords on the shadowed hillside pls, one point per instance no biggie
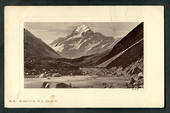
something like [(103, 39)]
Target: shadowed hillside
[(134, 36), (34, 47), (133, 54), (40, 58)]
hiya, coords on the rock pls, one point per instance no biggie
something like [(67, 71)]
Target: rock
[(63, 85), (46, 85), (136, 81), (56, 75)]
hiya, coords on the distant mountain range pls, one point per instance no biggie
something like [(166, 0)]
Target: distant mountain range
[(82, 42), (84, 48), (123, 52)]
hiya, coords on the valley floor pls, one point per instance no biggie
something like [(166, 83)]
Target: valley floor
[(79, 81)]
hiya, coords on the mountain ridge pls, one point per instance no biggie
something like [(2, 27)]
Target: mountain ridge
[(119, 48), (82, 42), (132, 37), (34, 46), (40, 58)]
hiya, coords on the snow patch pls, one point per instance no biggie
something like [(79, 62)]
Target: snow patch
[(78, 44), (59, 48), (82, 28), (79, 30), (74, 37), (92, 45), (103, 45)]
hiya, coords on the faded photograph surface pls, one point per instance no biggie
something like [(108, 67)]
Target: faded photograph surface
[(83, 55)]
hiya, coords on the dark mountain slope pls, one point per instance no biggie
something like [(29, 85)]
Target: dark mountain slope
[(34, 47), (134, 36), (40, 58), (131, 55)]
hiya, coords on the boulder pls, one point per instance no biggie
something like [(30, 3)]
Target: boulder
[(45, 85), (63, 85)]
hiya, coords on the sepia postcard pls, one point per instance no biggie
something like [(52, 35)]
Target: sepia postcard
[(84, 56)]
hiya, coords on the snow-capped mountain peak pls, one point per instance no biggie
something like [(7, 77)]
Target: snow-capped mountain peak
[(82, 42), (81, 29)]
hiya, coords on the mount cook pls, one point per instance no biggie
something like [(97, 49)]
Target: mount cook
[(82, 42)]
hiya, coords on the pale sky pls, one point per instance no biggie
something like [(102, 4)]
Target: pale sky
[(50, 31)]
